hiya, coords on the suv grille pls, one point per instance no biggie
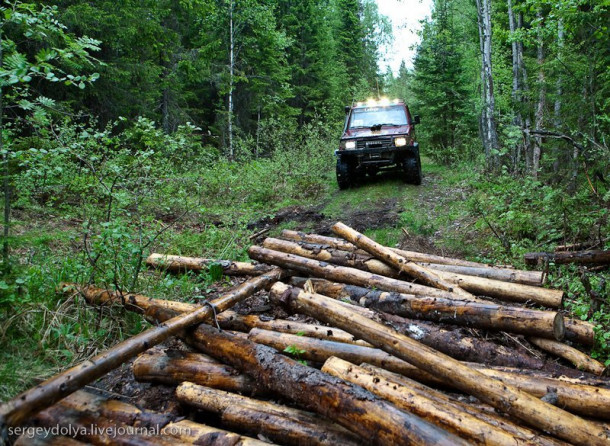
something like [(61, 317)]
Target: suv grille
[(375, 143)]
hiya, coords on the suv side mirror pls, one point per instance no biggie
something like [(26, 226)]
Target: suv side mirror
[(347, 109), (416, 119)]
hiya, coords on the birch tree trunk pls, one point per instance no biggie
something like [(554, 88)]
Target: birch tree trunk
[(516, 87), (231, 73), (558, 93), (541, 99), (490, 139)]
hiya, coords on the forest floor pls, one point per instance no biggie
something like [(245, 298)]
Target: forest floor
[(48, 332)]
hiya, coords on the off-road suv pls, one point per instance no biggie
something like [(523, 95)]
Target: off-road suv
[(378, 135)]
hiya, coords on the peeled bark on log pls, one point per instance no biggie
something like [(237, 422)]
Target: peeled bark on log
[(579, 331), (174, 366), (132, 301), (319, 350), (402, 264), (180, 263), (413, 399), (228, 320), (474, 314), (344, 274), (581, 360), (278, 423), (594, 257), (104, 432), (534, 278), (571, 395), (514, 292), (375, 420), (574, 396), (481, 411), (17, 410), (190, 432), (451, 342), (234, 321), (162, 427), (338, 243), (504, 397)]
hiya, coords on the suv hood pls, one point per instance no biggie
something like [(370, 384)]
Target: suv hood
[(385, 130)]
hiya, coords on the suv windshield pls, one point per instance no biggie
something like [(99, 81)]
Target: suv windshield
[(373, 116)]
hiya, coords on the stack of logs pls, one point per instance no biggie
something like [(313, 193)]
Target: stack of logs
[(407, 348)]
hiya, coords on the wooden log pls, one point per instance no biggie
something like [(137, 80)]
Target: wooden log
[(17, 410), (593, 257), (232, 321), (172, 367), (481, 411), (454, 342), (158, 428), (574, 394), (418, 401), (580, 246), (278, 423), (366, 262), (346, 246), (95, 429), (514, 292), (344, 274), (174, 263), (375, 420), (189, 432), (534, 278), (474, 314), (402, 264), (579, 331), (319, 350), (517, 403), (132, 301), (581, 360)]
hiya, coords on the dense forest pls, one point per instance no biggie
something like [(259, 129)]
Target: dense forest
[(127, 125)]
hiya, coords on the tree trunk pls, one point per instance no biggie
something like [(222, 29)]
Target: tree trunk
[(537, 155), (343, 274), (416, 400), (595, 257), (486, 413), (388, 256), (375, 420), (482, 315), (17, 410), (278, 423), (506, 398), (576, 357), (173, 367), (516, 85), (337, 243), (580, 331), (479, 285), (6, 185), (231, 75), (180, 264), (113, 413)]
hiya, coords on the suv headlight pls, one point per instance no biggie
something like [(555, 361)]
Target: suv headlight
[(350, 145), (399, 142)]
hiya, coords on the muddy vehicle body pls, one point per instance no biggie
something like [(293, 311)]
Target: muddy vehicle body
[(378, 135)]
